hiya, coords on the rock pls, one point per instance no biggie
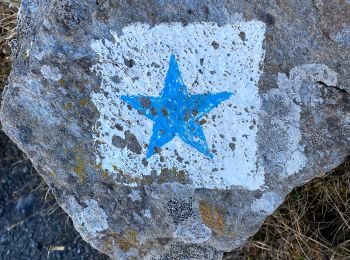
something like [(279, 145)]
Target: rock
[(172, 129)]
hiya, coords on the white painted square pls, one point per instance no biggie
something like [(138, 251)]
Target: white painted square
[(212, 59)]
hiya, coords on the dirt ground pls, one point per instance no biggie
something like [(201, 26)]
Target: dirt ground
[(312, 223)]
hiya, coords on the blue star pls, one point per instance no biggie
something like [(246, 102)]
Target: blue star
[(176, 113)]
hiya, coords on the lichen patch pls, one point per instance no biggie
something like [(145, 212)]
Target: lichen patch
[(91, 218), (51, 73)]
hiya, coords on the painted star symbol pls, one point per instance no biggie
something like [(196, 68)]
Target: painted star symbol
[(176, 113)]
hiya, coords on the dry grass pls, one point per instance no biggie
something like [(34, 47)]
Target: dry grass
[(314, 221), (8, 14)]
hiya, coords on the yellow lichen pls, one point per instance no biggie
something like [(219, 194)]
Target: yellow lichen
[(79, 169), (83, 102), (98, 166), (26, 55), (61, 82), (68, 105), (105, 175), (109, 241), (128, 241), (212, 216)]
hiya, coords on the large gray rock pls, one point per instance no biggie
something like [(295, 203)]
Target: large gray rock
[(280, 116)]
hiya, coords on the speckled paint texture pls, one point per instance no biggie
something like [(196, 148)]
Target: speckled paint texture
[(212, 59), (286, 122)]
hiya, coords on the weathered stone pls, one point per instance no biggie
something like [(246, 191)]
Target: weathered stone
[(284, 119)]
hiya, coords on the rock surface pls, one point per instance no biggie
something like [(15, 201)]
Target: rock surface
[(286, 122)]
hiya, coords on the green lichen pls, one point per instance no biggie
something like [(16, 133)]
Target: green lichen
[(166, 176), (79, 169), (83, 102), (172, 175), (68, 105), (61, 82), (25, 55)]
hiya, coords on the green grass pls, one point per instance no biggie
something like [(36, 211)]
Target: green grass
[(313, 222)]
